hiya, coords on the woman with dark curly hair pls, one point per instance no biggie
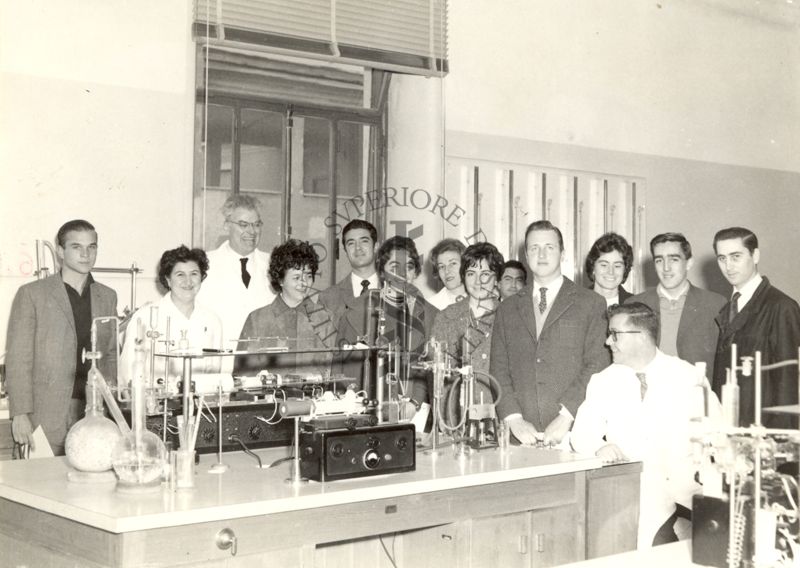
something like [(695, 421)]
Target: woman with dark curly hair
[(181, 322), (607, 266), (295, 320)]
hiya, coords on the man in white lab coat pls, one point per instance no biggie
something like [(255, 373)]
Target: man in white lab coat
[(237, 280), (640, 408)]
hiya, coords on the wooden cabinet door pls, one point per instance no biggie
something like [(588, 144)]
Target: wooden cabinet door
[(434, 547), (556, 536), (612, 509), (502, 540)]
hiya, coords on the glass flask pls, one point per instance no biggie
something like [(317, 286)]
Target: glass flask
[(139, 457), (91, 441)]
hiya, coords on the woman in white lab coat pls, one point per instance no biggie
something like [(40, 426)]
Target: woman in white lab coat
[(176, 323)]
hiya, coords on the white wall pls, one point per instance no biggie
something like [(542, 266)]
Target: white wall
[(96, 107), (700, 97), (415, 139), (709, 80)]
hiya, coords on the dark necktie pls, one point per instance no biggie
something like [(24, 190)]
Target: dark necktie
[(734, 306), (245, 274), (542, 300), (364, 287), (643, 383)]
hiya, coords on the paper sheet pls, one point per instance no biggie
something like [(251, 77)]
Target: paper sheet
[(43, 449)]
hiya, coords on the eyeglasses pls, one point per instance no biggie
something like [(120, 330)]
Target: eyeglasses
[(244, 225), (613, 333)]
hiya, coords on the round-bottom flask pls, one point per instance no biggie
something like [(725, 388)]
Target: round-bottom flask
[(91, 441), (139, 465)]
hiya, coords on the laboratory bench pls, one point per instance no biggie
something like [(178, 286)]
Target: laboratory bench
[(516, 507)]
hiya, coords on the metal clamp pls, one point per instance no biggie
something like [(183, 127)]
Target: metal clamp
[(226, 539)]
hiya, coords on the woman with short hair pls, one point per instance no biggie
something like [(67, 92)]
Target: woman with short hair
[(181, 323), (296, 320)]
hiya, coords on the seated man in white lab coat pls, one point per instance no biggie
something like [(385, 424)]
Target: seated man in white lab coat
[(640, 408)]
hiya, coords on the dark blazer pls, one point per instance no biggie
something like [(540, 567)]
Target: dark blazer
[(538, 374), (770, 323), (454, 325), (353, 325), (42, 343), (339, 297), (697, 331), (623, 294)]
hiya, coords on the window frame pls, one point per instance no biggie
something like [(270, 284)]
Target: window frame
[(373, 176)]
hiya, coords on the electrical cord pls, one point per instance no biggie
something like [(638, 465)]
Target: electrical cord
[(389, 555), (248, 451), (497, 393), (281, 460)]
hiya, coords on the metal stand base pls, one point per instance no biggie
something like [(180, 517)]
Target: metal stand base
[(296, 478), (218, 468)]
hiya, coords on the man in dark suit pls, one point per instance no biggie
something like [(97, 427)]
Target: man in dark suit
[(759, 317), (686, 312), (360, 241), (407, 318), (48, 328), (548, 340)]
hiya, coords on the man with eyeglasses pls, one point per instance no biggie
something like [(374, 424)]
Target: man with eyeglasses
[(640, 408), (237, 276)]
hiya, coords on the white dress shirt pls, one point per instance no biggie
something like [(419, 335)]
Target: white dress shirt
[(552, 291), (747, 292), (655, 430), (356, 282)]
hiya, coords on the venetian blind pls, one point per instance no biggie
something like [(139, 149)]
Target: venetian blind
[(396, 35), (258, 76)]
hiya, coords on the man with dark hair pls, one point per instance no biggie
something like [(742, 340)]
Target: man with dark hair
[(407, 316), (237, 276), (688, 327), (359, 241), (547, 341), (49, 326), (640, 408), (758, 317), (513, 278)]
